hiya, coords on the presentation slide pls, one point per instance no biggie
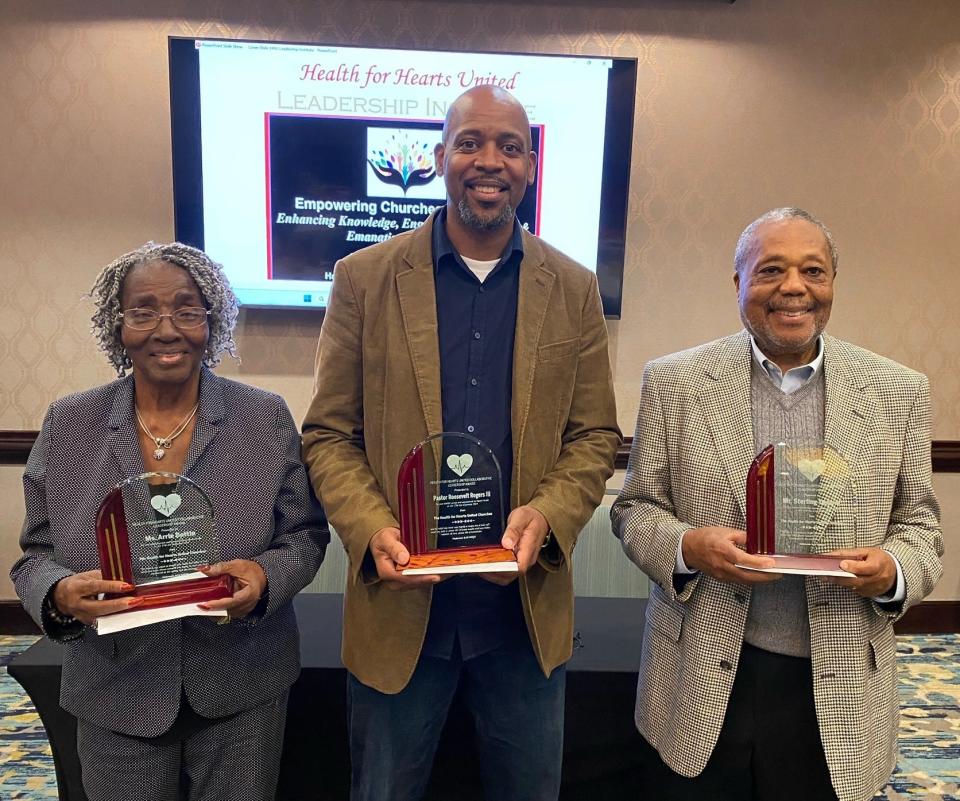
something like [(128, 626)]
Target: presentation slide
[(309, 153), (391, 164)]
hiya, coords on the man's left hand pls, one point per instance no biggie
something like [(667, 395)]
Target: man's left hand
[(874, 568), (249, 582), (526, 530)]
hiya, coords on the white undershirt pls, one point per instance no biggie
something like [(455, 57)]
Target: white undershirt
[(481, 269)]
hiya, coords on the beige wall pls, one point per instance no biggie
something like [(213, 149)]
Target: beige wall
[(850, 109)]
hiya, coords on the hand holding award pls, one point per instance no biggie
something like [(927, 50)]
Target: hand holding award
[(153, 532), (783, 499)]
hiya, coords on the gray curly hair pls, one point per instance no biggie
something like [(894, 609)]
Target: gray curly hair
[(209, 276), (779, 215)]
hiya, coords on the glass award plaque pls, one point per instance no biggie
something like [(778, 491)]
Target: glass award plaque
[(451, 509), (783, 488), (153, 531)]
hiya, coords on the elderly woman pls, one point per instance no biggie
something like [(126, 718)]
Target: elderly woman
[(185, 708)]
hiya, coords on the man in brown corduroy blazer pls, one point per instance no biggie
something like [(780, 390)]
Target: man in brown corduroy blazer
[(415, 325)]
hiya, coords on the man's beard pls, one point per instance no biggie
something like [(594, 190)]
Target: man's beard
[(772, 344), (469, 217)]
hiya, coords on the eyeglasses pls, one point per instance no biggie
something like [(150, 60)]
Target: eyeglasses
[(148, 319)]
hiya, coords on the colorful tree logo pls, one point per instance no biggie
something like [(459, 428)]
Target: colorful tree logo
[(403, 163)]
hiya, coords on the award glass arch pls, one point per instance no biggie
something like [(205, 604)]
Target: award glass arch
[(783, 497), (153, 531), (451, 507)]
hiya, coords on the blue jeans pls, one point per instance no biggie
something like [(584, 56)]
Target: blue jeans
[(518, 715)]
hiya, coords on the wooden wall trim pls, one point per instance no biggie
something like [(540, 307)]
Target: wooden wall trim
[(944, 452), (15, 448), (946, 456), (929, 617)]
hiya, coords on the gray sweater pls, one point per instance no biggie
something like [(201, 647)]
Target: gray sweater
[(777, 619)]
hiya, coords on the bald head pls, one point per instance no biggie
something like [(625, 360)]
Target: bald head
[(487, 100), (487, 163)]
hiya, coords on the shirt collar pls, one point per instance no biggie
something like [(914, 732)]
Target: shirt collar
[(442, 246), (794, 378)]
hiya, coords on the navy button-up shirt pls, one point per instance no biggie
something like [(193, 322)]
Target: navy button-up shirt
[(475, 328)]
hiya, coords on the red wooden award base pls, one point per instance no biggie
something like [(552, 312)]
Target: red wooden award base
[(489, 559), (189, 591), (805, 564)]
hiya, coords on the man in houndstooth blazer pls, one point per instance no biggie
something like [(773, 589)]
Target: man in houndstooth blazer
[(680, 515)]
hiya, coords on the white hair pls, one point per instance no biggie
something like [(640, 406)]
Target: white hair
[(779, 215)]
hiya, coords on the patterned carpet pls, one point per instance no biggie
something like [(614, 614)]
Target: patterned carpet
[(929, 765), (26, 765), (929, 768)]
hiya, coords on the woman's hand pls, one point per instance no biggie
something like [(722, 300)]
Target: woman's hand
[(249, 582), (76, 596)]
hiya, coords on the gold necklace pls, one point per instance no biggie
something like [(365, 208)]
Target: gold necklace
[(164, 443)]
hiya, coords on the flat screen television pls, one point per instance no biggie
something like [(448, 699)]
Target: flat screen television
[(287, 157)]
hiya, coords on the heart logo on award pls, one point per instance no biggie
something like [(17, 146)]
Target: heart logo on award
[(460, 464), (811, 469), (166, 504)]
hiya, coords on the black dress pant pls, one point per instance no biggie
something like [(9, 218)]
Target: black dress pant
[(769, 747)]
